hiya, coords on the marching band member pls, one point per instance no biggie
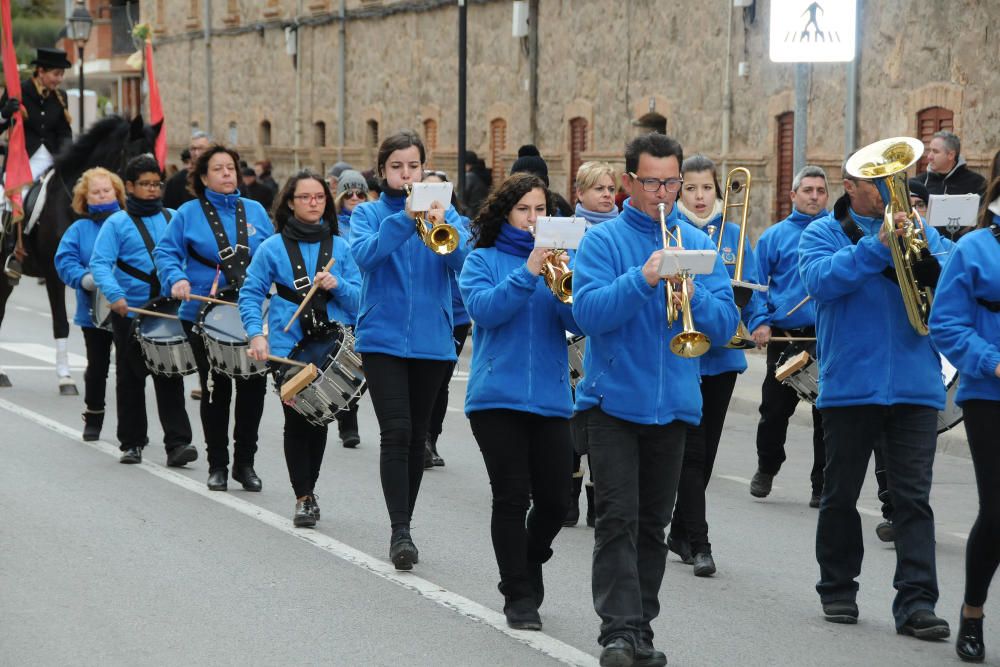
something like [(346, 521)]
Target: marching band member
[(640, 398), (306, 225), (122, 266), (97, 195), (965, 325), (210, 242), (519, 400), (404, 330), (892, 397), (778, 268), (700, 204)]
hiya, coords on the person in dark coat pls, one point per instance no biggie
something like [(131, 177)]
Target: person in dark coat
[(947, 174), (530, 161), (477, 188), (175, 192), (253, 189)]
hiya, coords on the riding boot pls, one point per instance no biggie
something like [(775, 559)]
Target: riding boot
[(574, 503)]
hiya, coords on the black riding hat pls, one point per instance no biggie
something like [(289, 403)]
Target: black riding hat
[(51, 59)]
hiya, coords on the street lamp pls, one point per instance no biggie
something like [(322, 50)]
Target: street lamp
[(78, 27)]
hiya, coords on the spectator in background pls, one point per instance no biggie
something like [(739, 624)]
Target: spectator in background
[(263, 169), (947, 174), (374, 186), (175, 192), (333, 174), (477, 183), (254, 189), (530, 161)]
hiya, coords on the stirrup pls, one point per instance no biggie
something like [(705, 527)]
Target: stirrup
[(12, 269)]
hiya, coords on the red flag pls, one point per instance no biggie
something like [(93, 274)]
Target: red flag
[(18, 168), (155, 108)]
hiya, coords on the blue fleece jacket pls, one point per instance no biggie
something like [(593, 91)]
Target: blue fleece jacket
[(458, 312), (964, 330), (72, 262), (270, 264), (344, 225), (630, 371), (868, 352), (405, 308), (721, 359), (778, 267), (190, 228), (120, 240), (519, 359)]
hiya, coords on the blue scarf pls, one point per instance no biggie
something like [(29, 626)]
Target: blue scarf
[(100, 212), (514, 241), (800, 218), (595, 217), (869, 226)]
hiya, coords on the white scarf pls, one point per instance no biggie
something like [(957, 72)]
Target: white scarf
[(698, 221)]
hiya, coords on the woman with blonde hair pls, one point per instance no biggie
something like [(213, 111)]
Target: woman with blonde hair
[(596, 184), (97, 194)]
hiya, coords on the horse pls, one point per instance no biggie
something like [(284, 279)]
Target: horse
[(110, 143)]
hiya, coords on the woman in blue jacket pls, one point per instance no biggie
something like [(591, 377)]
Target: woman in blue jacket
[(97, 194), (292, 260), (208, 245), (519, 400), (404, 330), (965, 325)]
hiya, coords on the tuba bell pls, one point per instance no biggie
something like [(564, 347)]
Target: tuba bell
[(689, 343), (884, 163), (440, 237)]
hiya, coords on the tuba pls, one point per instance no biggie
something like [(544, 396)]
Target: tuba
[(689, 343), (884, 163), (741, 292), (440, 237)]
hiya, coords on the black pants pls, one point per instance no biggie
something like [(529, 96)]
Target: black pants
[(777, 405), (130, 394), (461, 332), (529, 461), (214, 409), (635, 468), (347, 420), (910, 436), (95, 379), (982, 553), (304, 447), (403, 392), (700, 448)]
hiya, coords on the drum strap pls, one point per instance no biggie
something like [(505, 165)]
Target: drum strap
[(855, 234), (314, 320), (233, 260), (149, 278)]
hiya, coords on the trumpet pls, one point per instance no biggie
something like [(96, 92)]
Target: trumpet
[(741, 292), (440, 237), (557, 274), (689, 343)]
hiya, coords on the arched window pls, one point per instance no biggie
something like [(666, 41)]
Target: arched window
[(233, 137), (577, 146), (652, 122), (371, 127), (264, 136), (430, 138), (498, 143), (319, 134), (929, 121), (785, 150)]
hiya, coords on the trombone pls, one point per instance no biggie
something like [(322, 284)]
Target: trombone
[(741, 291), (440, 237), (689, 343)]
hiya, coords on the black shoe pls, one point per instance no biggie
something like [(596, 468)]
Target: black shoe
[(680, 547), (925, 624), (814, 501), (350, 439), (402, 551), (841, 611), (428, 458), (591, 518), (432, 442), (218, 480), (313, 502), (181, 455), (969, 645), (93, 422), (760, 485), (533, 572), (573, 515), (647, 656), (246, 476), (704, 564), (886, 531), (131, 455), (522, 614), (304, 516), (618, 653)]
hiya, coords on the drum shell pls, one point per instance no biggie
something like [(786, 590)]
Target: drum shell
[(226, 343), (164, 345)]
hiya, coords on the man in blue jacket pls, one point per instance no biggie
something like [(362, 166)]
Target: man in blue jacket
[(891, 395), (639, 397), (778, 268)]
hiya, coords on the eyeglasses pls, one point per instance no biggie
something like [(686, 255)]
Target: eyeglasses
[(654, 184), (354, 192), (150, 185), (319, 197)]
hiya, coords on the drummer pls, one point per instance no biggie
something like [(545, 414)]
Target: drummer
[(122, 266), (294, 260), (207, 247), (97, 195)]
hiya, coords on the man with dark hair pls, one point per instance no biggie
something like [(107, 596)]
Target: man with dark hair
[(947, 173), (639, 397), (176, 193)]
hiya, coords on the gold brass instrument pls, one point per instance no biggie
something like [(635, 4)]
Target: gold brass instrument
[(689, 343), (741, 293), (559, 277), (440, 237), (884, 163)]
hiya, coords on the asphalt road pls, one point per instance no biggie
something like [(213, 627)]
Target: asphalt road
[(104, 564)]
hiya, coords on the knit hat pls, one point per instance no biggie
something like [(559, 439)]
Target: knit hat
[(919, 190), (351, 180), (338, 169), (531, 164)]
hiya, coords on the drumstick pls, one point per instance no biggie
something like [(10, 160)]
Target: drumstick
[(286, 360), (212, 299), (309, 295), (798, 305), (152, 313), (789, 339)]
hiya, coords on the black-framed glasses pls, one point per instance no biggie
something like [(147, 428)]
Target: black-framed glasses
[(672, 185), (150, 185)]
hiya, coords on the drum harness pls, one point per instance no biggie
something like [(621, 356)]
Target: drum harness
[(314, 320), (150, 278)]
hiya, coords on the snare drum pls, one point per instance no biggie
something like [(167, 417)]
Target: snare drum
[(576, 345), (164, 346), (340, 382), (799, 370), (952, 413), (100, 311), (226, 343)]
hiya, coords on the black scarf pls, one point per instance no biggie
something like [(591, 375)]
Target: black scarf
[(143, 208), (296, 230)]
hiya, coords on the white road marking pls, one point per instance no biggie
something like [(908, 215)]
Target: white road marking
[(539, 641), (42, 352), (451, 409), (50, 367), (33, 311)]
